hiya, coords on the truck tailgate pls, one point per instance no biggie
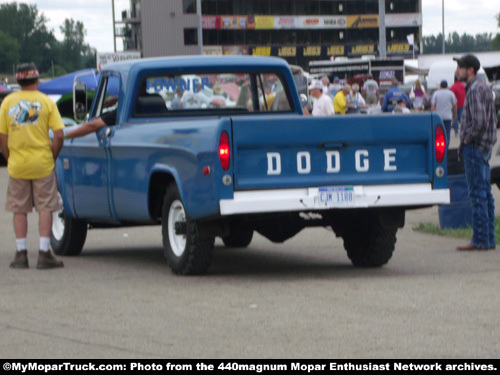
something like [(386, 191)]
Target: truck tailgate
[(296, 151)]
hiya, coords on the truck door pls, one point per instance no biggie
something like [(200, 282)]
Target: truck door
[(90, 162)]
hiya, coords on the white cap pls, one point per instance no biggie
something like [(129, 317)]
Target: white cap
[(316, 84)]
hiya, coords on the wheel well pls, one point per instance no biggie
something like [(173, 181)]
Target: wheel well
[(157, 186)]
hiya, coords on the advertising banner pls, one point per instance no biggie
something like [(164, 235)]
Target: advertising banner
[(338, 50), (234, 22), (212, 50), (211, 22), (362, 21), (339, 22), (261, 50), (105, 58), (263, 22), (362, 49), (398, 48), (235, 50), (282, 22), (311, 51), (310, 22), (403, 19), (287, 51)]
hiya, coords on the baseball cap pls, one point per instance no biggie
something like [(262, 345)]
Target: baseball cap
[(444, 84), (316, 84), (468, 61), (26, 71)]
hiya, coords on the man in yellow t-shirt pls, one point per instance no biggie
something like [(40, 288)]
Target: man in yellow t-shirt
[(340, 101), (25, 119)]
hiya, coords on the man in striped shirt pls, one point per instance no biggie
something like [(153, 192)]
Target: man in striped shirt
[(477, 137)]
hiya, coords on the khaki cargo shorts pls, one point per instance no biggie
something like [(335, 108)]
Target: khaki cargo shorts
[(22, 194)]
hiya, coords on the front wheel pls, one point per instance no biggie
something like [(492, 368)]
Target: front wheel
[(369, 243), (68, 235), (186, 252)]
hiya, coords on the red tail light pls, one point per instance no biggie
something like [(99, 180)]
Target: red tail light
[(440, 144), (224, 151)]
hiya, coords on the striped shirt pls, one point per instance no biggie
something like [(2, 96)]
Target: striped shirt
[(479, 121)]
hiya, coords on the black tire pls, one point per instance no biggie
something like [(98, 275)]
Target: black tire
[(239, 237), (368, 243), (187, 254), (68, 235)]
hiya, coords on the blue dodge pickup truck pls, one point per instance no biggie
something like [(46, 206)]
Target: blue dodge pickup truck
[(218, 147)]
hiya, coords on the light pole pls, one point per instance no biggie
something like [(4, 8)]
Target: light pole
[(114, 27), (200, 25), (442, 16), (381, 30)]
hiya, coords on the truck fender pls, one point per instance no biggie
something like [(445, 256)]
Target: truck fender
[(161, 176)]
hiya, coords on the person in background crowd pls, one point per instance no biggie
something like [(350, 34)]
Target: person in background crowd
[(370, 91), (323, 105), (392, 97), (356, 101), (420, 96), (335, 87), (326, 85), (176, 101), (401, 107), (458, 89), (445, 104), (26, 116), (304, 104), (478, 134), (340, 101)]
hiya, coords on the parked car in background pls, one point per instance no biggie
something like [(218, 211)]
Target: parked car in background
[(495, 87), (14, 87)]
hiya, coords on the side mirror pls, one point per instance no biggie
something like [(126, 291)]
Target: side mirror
[(79, 101)]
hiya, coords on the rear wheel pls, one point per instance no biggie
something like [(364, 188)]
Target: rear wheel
[(368, 243), (68, 235), (186, 252)]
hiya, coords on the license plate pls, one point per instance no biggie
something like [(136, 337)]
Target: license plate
[(336, 196)]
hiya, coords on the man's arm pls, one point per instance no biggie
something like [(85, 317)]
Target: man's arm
[(86, 128), (57, 143), (4, 146)]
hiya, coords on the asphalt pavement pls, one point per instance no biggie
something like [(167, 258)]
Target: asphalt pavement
[(300, 299)]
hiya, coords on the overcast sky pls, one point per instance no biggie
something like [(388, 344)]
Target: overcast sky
[(472, 17)]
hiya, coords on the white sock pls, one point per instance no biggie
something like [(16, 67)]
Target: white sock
[(21, 244), (44, 243)]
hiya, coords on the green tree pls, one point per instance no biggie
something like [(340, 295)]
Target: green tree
[(77, 53), (495, 43), (458, 43), (10, 52), (24, 24)]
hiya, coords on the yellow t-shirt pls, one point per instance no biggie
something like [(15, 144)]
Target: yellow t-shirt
[(26, 117), (339, 103)]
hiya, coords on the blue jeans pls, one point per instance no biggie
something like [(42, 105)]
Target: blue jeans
[(457, 119), (477, 173), (447, 128)]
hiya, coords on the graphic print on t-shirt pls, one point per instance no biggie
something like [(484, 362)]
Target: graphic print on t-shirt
[(25, 112)]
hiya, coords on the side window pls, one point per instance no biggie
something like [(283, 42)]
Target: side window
[(273, 96), (107, 103)]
